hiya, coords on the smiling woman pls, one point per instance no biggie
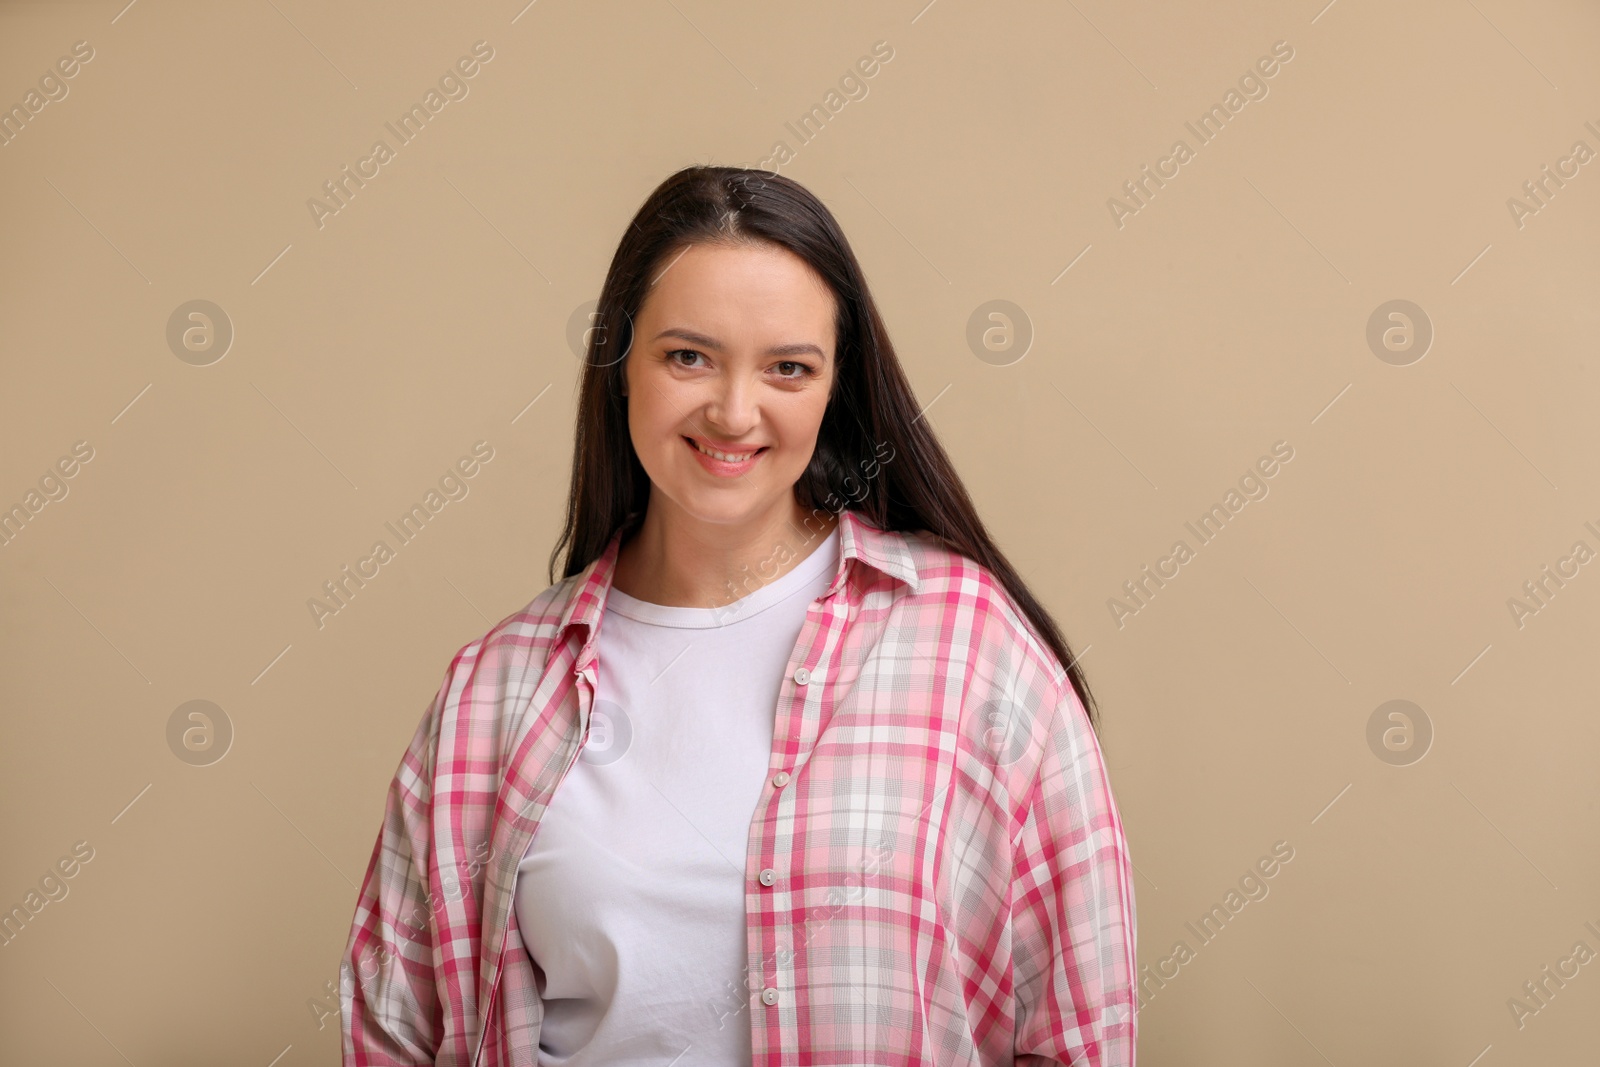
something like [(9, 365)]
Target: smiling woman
[(725, 428), (859, 815)]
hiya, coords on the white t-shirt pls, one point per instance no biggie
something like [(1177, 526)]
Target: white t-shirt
[(630, 899)]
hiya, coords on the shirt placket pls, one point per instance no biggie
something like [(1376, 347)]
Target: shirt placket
[(770, 875), (585, 681)]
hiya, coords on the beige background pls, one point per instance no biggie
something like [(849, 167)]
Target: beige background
[(1228, 313)]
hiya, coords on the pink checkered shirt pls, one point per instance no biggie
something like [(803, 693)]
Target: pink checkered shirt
[(953, 883)]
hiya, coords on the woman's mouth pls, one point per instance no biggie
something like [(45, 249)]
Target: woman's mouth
[(724, 463)]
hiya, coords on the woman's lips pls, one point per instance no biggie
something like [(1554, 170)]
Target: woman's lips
[(722, 467)]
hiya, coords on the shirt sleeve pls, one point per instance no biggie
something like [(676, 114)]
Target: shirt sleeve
[(1073, 921), (389, 1004)]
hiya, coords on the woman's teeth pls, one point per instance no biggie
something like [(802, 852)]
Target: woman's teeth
[(724, 456)]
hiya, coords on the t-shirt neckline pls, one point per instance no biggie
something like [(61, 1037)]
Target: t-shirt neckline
[(822, 558)]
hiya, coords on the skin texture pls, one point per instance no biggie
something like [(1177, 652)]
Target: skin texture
[(700, 530)]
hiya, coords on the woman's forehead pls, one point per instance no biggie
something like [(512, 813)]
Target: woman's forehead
[(740, 298)]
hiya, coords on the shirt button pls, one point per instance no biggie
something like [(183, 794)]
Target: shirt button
[(780, 779), (769, 876), (802, 676), (769, 995)]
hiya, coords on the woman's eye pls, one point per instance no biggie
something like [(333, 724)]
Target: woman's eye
[(788, 369)]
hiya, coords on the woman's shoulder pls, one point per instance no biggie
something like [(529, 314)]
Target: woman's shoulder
[(1014, 689), (514, 650), (531, 631), (973, 603)]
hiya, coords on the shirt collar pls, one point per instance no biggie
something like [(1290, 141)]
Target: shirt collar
[(859, 540)]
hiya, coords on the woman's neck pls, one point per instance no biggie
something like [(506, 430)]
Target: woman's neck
[(677, 561)]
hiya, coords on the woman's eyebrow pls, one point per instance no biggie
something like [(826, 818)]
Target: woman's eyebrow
[(797, 348)]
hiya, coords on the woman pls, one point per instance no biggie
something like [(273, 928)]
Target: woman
[(814, 775)]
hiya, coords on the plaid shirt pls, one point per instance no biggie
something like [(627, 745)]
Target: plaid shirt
[(952, 886)]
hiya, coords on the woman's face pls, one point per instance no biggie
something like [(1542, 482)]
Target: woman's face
[(733, 350)]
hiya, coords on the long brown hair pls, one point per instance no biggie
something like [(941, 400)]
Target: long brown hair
[(870, 407)]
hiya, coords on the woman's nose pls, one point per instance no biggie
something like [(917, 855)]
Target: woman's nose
[(733, 410)]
